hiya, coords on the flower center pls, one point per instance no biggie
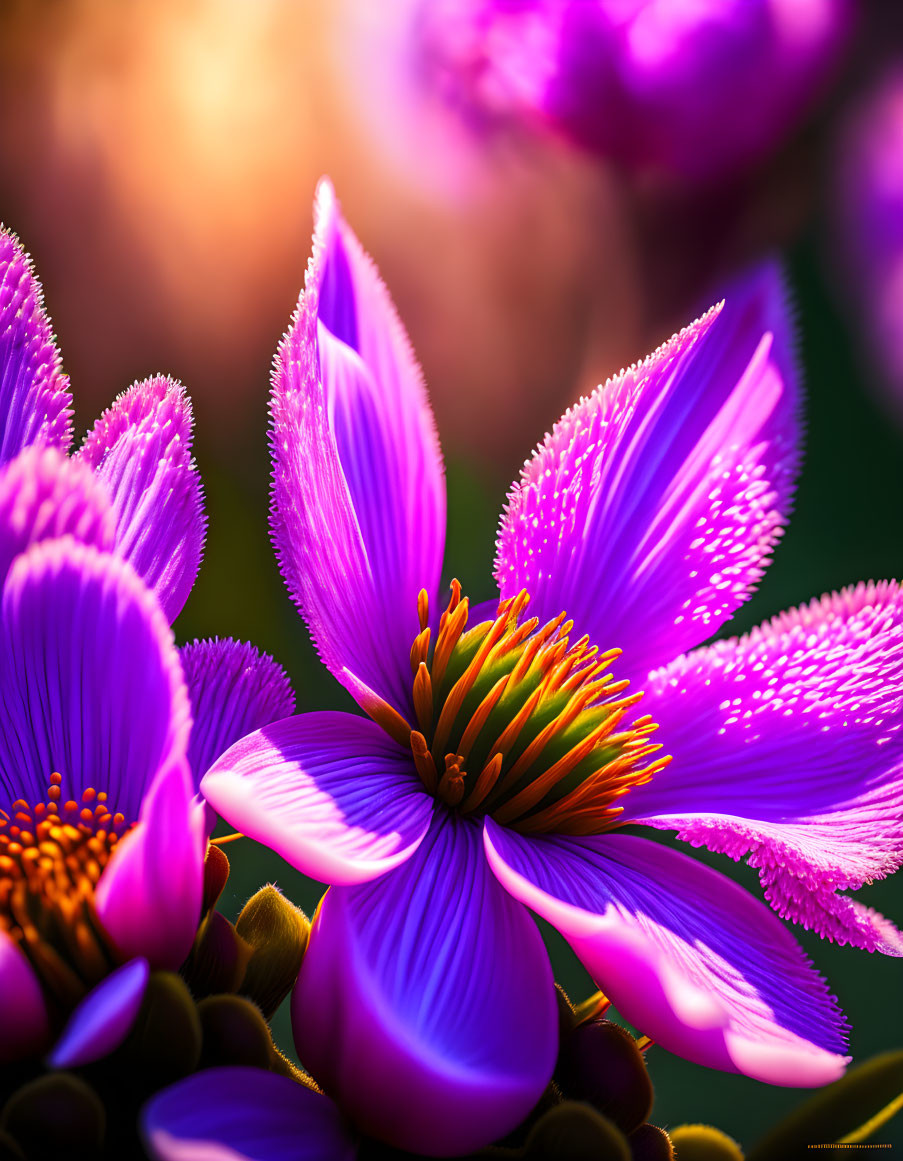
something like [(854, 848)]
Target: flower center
[(51, 858), (516, 722)]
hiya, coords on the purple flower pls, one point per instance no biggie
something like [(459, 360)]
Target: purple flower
[(102, 835), (651, 83), (869, 196), (140, 451), (101, 840), (500, 758)]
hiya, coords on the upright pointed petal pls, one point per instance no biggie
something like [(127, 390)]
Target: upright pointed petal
[(652, 509), (103, 1019), (141, 449), (149, 895), (35, 403), (358, 508), (90, 681), (331, 792), (245, 1114), (234, 689), (788, 748), (687, 956), (425, 1003), (43, 495), (24, 1023)]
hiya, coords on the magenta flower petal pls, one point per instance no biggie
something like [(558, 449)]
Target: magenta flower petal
[(358, 494), (331, 792), (685, 955), (788, 748), (425, 1003), (650, 512), (149, 895), (35, 402), (44, 495), (234, 689), (244, 1114), (90, 684), (141, 449), (24, 1023), (103, 1019)]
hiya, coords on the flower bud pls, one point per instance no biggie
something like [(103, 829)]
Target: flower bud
[(576, 1132), (165, 1041), (57, 1115), (600, 1063), (277, 932), (234, 1032), (704, 1143)]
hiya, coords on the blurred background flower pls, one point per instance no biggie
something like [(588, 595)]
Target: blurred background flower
[(159, 159), (868, 211), (672, 85)]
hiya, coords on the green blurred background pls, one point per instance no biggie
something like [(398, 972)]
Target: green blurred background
[(159, 160)]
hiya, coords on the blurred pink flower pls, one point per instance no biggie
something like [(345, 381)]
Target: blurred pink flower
[(701, 88), (869, 213)]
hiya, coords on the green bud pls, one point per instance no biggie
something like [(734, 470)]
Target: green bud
[(165, 1041), (277, 933), (234, 1032), (650, 1143), (57, 1115), (600, 1063), (576, 1132), (705, 1143)]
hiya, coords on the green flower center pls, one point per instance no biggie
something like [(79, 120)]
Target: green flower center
[(516, 722)]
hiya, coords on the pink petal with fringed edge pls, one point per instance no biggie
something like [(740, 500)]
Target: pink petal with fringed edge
[(44, 495), (234, 690), (141, 450), (652, 509), (35, 401), (358, 511), (788, 749)]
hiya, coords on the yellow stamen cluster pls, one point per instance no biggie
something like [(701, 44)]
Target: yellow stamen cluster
[(516, 722), (51, 858)]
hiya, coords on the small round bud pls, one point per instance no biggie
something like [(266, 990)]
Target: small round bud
[(704, 1143), (234, 1032), (165, 1041), (576, 1132), (600, 1063), (650, 1143), (277, 933), (57, 1115)]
